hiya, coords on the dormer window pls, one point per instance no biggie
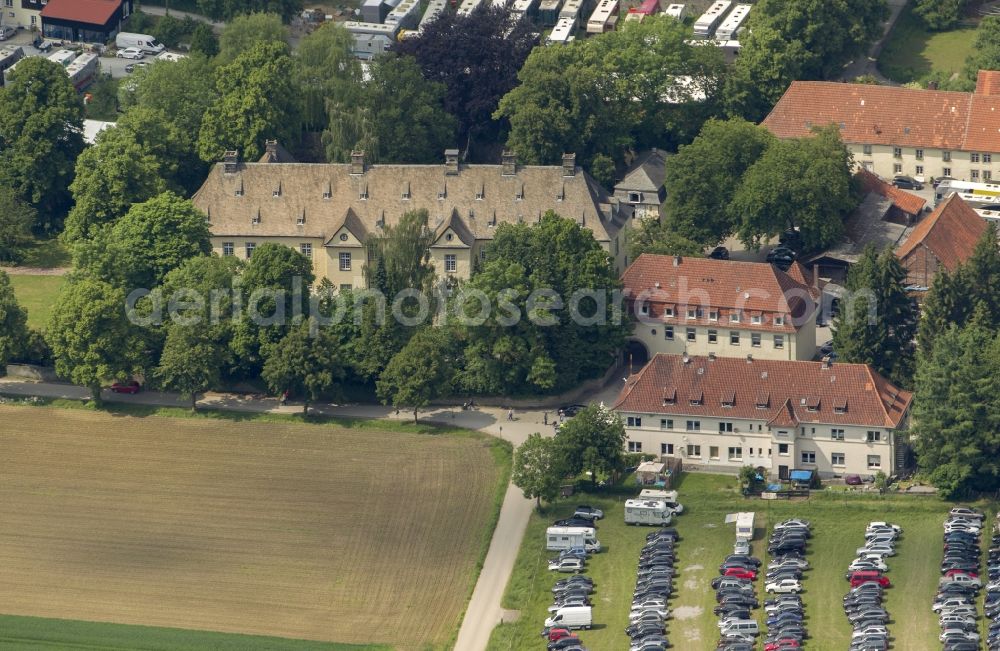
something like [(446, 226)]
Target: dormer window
[(327, 195), (811, 403), (779, 320), (668, 311), (239, 189), (728, 398), (763, 400), (734, 316), (697, 398), (301, 219), (480, 193), (755, 319), (644, 309), (669, 397), (562, 193), (277, 191), (713, 315), (449, 237), (520, 193), (840, 406), (256, 218), (406, 191), (363, 194)]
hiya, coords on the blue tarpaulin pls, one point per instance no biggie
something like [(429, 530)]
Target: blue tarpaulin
[(801, 475)]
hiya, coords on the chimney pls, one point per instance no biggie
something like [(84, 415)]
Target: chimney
[(451, 161), (357, 162), (508, 163), (711, 357), (816, 276), (271, 149), (569, 164), (677, 260), (230, 161), (932, 85), (749, 358), (686, 359), (827, 361)]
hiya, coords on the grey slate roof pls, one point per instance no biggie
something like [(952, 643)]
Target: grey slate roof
[(328, 196), (646, 174)]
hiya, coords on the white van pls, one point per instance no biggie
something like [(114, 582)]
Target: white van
[(740, 626), (144, 42), (571, 617), (560, 538), (652, 512)]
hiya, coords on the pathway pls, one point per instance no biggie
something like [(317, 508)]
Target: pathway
[(483, 612), (161, 11), (866, 65)]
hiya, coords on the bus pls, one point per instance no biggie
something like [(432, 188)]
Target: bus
[(977, 195), (468, 6), (676, 11), (434, 9), (9, 56), (83, 70), (708, 21), (62, 57), (524, 8), (647, 8), (572, 10), (563, 32), (604, 17), (731, 26)]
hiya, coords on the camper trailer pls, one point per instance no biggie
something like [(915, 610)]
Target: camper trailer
[(744, 526), (667, 497), (560, 538), (652, 512)]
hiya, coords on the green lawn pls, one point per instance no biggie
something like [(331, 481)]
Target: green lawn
[(912, 53), (40, 633), (37, 295), (838, 519)]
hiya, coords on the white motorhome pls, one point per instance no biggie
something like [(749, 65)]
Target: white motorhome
[(144, 42), (668, 497), (708, 21), (744, 526), (652, 512), (560, 538), (571, 617)]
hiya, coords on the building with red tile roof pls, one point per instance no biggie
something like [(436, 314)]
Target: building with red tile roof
[(893, 130), (727, 412), (944, 240), (725, 307), (906, 207), (87, 21)]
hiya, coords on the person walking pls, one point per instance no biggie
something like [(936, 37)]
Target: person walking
[(545, 418), (510, 414)]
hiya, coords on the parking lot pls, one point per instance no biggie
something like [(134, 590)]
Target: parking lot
[(109, 64), (838, 522)]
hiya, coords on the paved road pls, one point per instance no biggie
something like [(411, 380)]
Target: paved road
[(483, 612)]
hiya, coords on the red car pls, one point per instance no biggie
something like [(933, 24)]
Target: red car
[(781, 645), (740, 573), (557, 634), (881, 580), (126, 387), (954, 572)]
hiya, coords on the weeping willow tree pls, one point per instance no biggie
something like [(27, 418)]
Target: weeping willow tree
[(325, 68)]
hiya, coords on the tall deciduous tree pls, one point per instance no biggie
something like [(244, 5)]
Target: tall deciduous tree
[(477, 58), (153, 238), (325, 69), (307, 362), (395, 117), (547, 330), (91, 336), (243, 33), (797, 39), (656, 236), (229, 9), (142, 156), (204, 41), (274, 295), (538, 468), (41, 134), (13, 322), (256, 99), (985, 51), (419, 373), (191, 361), (16, 220), (956, 411), (803, 183), (877, 322), (636, 86), (593, 440), (939, 14), (702, 179)]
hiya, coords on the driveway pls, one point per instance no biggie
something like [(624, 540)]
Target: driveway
[(866, 65)]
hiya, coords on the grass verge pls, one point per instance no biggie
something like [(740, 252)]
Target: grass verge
[(32, 633), (838, 518), (37, 295), (912, 53)]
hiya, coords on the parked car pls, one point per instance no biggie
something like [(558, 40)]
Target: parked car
[(130, 53), (131, 387), (567, 565), (783, 586), (588, 513), (6, 31), (907, 182), (719, 253)]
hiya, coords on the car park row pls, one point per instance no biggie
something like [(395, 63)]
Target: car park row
[(959, 586), (647, 620), (992, 603), (575, 538), (785, 614), (864, 602), (734, 592)]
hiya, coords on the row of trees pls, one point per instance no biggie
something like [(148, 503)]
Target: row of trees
[(736, 178), (592, 441), (213, 319)]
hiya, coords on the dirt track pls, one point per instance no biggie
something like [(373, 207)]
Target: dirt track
[(277, 529)]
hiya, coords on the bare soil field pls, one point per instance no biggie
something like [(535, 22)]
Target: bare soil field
[(293, 530)]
